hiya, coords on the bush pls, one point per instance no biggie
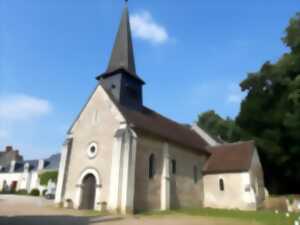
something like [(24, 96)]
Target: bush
[(35, 192), (22, 192), (44, 192)]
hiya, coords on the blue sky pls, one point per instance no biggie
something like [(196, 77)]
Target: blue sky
[(192, 55)]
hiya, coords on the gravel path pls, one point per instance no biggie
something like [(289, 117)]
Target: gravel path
[(24, 210)]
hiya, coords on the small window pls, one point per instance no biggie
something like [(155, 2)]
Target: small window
[(195, 173), (173, 166), (221, 185), (151, 166)]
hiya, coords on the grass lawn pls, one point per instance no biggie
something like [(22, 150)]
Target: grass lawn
[(261, 217)]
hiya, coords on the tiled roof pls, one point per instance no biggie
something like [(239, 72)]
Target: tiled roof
[(152, 122), (52, 163), (230, 158)]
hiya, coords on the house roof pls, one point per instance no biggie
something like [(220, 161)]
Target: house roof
[(154, 123), (51, 163), (230, 158), (33, 165)]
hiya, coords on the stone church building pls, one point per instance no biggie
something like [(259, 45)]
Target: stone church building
[(121, 156)]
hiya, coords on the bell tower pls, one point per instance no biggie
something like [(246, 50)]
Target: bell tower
[(120, 78)]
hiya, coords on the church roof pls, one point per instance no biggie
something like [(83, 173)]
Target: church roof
[(154, 123), (122, 57), (230, 158)]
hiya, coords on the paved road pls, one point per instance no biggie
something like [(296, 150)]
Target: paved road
[(24, 210)]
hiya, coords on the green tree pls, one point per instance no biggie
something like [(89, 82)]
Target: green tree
[(48, 175), (270, 114), (219, 128)]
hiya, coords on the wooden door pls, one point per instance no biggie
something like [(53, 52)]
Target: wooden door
[(88, 192)]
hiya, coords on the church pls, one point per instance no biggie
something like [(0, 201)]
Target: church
[(122, 156)]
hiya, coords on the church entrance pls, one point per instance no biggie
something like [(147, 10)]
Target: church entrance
[(88, 192)]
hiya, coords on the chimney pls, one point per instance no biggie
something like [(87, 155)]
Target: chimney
[(12, 166), (41, 164), (8, 148)]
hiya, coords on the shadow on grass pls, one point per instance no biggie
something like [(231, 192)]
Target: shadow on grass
[(55, 220)]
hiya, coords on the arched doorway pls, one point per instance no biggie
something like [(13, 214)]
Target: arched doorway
[(88, 193)]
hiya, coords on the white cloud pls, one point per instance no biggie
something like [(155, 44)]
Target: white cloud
[(20, 107), (144, 27), (235, 95)]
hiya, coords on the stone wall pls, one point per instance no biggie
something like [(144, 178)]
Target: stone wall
[(257, 180), (97, 124), (236, 193), (184, 192), (9, 154)]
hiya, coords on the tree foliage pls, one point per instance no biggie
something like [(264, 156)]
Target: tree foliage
[(219, 128), (46, 176), (270, 114)]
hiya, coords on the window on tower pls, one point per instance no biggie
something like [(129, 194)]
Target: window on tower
[(133, 92)]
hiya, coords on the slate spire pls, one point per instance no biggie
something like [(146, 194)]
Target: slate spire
[(120, 78), (122, 56)]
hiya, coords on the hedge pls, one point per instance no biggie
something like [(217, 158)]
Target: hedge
[(35, 192), (46, 176)]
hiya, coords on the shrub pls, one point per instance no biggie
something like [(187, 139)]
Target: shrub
[(22, 192), (35, 192)]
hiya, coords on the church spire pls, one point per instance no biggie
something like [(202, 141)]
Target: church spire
[(122, 56), (120, 78)]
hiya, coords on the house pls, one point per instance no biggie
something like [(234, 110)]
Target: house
[(233, 177), (125, 157), (18, 174)]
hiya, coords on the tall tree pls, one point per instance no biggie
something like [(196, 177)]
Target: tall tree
[(270, 114), (221, 129)]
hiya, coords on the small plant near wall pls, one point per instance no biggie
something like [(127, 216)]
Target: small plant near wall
[(46, 176), (35, 192), (22, 192)]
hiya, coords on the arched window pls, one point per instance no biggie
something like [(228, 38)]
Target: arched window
[(195, 173), (221, 185), (173, 166), (151, 166)]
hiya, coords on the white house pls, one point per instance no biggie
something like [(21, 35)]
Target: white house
[(24, 174), (233, 177)]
